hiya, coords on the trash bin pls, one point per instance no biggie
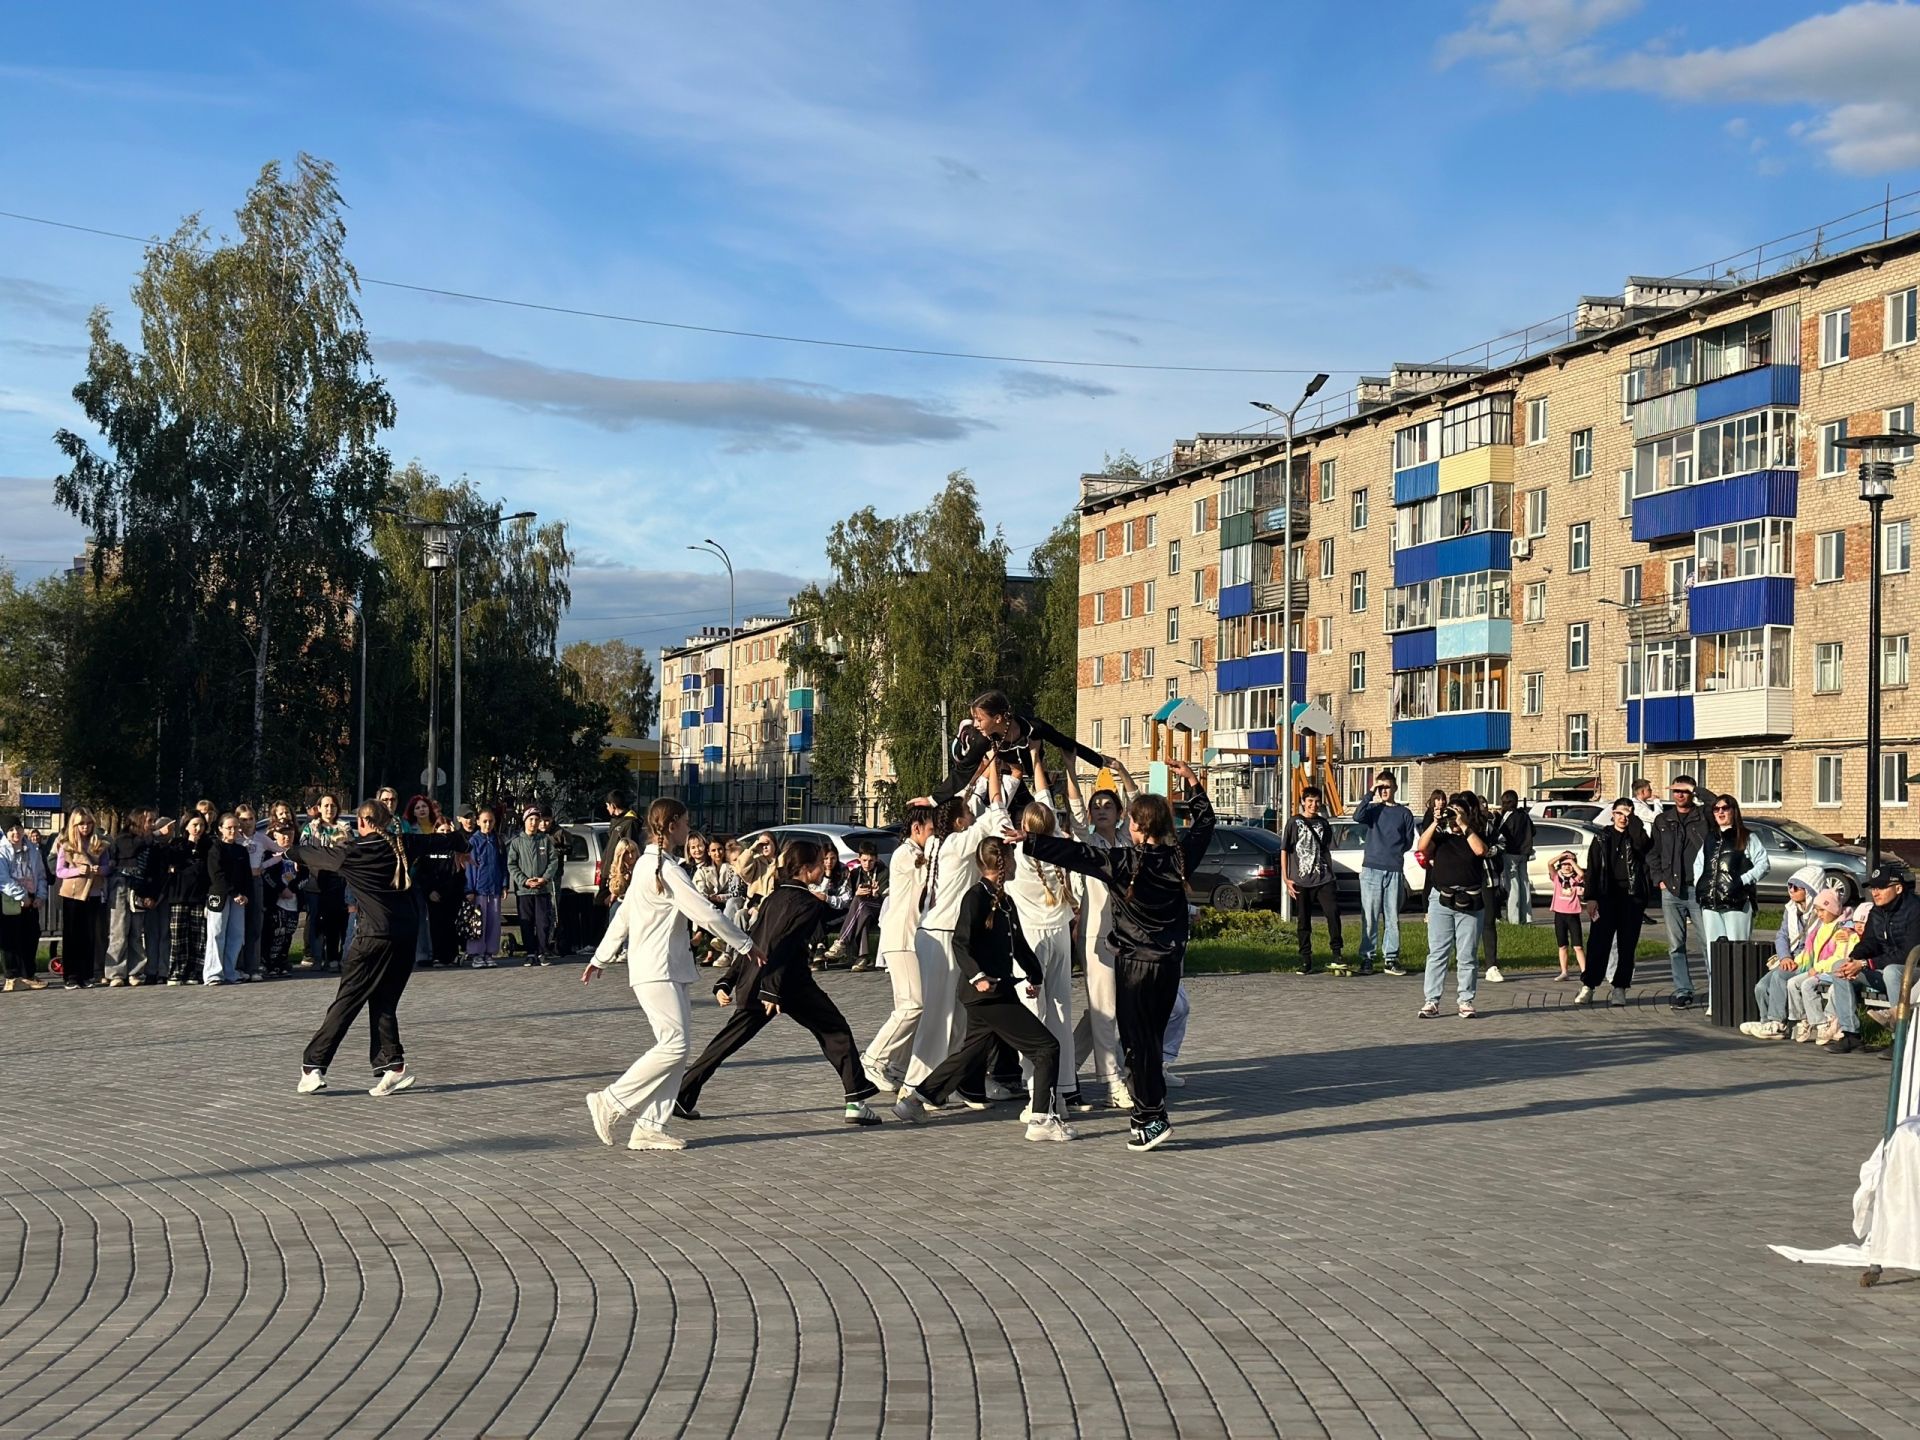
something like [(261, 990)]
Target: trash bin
[(1736, 967)]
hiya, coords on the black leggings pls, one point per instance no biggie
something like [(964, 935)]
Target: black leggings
[(804, 1002), (1616, 925), (1566, 929), (1145, 994), (998, 1017)]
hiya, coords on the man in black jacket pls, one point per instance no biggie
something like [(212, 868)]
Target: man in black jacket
[(620, 823), (987, 941), (1678, 833), (1878, 961), (378, 867)]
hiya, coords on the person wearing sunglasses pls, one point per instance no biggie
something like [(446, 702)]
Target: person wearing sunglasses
[(1679, 832), (1725, 874)]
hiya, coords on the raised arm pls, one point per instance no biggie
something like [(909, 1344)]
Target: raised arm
[(317, 857), (1199, 831), (697, 908), (1114, 866)]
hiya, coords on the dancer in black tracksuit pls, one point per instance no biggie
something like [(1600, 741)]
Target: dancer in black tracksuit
[(783, 932), (987, 942), (1150, 928), (377, 866), (993, 725)]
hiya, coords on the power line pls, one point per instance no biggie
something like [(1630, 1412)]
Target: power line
[(480, 299)]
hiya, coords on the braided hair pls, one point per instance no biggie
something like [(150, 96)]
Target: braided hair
[(662, 815), (1154, 818), (1038, 819), (380, 818), (951, 816), (992, 856), (918, 815)]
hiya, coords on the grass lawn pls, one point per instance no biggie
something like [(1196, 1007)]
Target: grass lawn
[(1522, 947)]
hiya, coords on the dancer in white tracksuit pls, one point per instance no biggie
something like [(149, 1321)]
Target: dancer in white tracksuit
[(953, 870), (1097, 823), (652, 926), (886, 1058), (1043, 897)]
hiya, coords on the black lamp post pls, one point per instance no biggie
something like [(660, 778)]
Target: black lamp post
[(1876, 488)]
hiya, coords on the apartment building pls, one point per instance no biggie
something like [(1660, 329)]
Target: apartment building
[(1630, 544), (1149, 598)]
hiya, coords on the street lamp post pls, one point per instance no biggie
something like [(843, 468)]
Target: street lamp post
[(360, 623), (1876, 488), (1284, 800), (436, 543), (714, 547)]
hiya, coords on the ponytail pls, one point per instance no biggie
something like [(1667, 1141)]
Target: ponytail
[(1154, 816), (378, 816), (795, 856), (662, 815)]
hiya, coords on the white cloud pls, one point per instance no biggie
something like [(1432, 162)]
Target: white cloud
[(1855, 66)]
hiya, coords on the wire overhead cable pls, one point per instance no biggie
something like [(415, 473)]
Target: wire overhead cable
[(814, 340)]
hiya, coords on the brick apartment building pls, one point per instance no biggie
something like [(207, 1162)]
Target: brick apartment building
[(1628, 545)]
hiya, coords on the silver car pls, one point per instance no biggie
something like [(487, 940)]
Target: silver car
[(1792, 846)]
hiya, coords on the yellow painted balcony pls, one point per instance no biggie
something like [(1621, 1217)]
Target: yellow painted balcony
[(1487, 464)]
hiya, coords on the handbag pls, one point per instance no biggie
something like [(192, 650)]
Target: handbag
[(1467, 899), (471, 922)]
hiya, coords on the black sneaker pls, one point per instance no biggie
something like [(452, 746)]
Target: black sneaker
[(1149, 1135), (1681, 1002), (1366, 968), (1306, 967), (1392, 967), (684, 1112)]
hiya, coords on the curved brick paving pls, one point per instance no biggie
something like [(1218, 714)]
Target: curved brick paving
[(1545, 1222)]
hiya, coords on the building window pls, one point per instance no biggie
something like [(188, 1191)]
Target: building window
[(1536, 776), (1126, 538), (1146, 604), (1099, 607), (1126, 732), (1534, 502), (1579, 656), (1098, 727), (1173, 557), (1893, 777), (1900, 326), (1358, 517), (1173, 688), (1417, 444), (1759, 780), (1357, 671), (1836, 336), (1147, 669), (1536, 602), (1579, 737), (1580, 546), (1099, 669), (1757, 659), (1153, 530), (1536, 421), (1899, 421), (1100, 543), (1896, 547), (1582, 454), (1473, 423), (1326, 559), (1200, 586), (1126, 666), (1740, 552), (1196, 653), (1893, 661), (1631, 584), (1357, 592), (1329, 480), (1833, 460), (1485, 783), (1680, 577), (1827, 785), (1626, 493), (1829, 556), (1173, 624), (1829, 666), (1126, 602), (1323, 628), (1533, 692)]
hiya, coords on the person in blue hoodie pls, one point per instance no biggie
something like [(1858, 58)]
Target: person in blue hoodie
[(486, 881), (1390, 834)]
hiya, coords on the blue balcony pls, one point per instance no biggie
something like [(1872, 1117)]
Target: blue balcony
[(1740, 605), (1258, 670), (690, 682), (1263, 740), (1417, 482), (713, 754), (1235, 600), (715, 713), (1414, 650), (1459, 639), (1749, 390), (800, 736), (1473, 733), (689, 719), (1668, 513), (1669, 719), (1456, 555)]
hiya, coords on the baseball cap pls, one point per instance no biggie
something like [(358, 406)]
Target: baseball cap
[(1888, 874)]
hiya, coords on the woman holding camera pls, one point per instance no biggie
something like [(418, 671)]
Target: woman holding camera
[(1456, 849)]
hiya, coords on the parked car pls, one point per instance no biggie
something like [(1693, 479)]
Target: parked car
[(845, 839), (1240, 871), (1550, 837), (1791, 845), (1587, 812)]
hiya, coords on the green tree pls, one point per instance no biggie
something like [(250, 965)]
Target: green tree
[(1054, 682), (844, 652), (619, 677), (240, 468)]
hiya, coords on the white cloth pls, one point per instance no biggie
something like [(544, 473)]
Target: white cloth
[(900, 911), (651, 925), (892, 1045), (941, 1020), (1053, 1006), (957, 869), (647, 1091)]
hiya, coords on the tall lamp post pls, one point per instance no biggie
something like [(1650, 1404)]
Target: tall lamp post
[(1876, 488), (715, 548), (359, 607), (1283, 802)]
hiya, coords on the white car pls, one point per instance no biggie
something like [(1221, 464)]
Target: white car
[(1550, 837), (845, 839)]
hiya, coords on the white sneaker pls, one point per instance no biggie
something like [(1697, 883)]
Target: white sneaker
[(604, 1113), (911, 1107), (860, 1113), (1757, 1029), (391, 1082), (652, 1137), (1585, 997), (312, 1082), (1049, 1127), (996, 1091), (1119, 1097), (1174, 1082), (1494, 977)]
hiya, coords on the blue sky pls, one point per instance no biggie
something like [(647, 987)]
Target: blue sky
[(1257, 185)]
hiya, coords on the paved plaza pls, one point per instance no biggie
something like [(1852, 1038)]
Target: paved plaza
[(1542, 1222)]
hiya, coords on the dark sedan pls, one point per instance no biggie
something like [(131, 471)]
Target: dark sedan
[(1240, 871)]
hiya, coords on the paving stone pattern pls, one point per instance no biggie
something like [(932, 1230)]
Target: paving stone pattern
[(1543, 1222)]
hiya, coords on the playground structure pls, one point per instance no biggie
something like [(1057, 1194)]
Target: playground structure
[(1318, 762)]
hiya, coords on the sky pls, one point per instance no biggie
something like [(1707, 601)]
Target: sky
[(1245, 186)]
